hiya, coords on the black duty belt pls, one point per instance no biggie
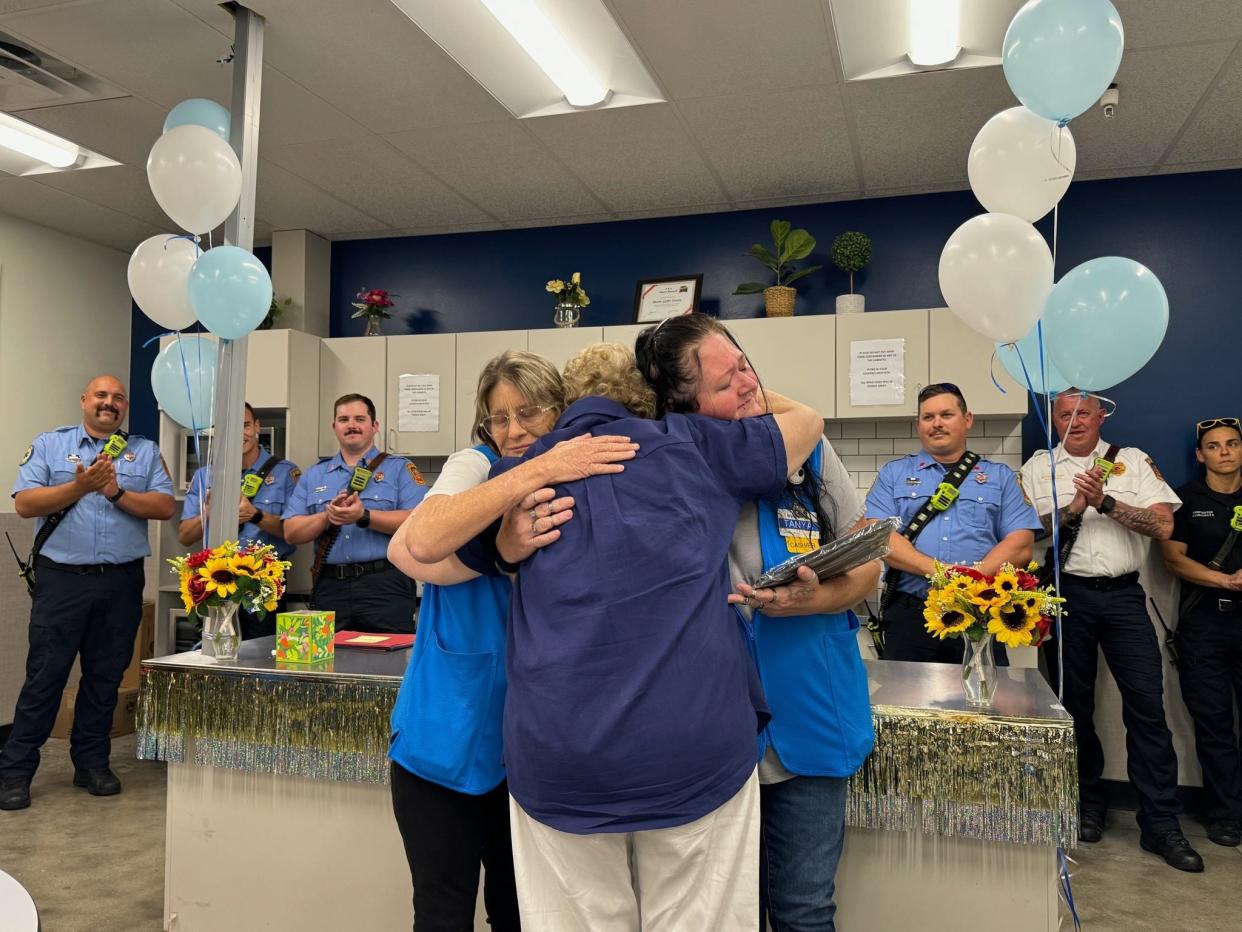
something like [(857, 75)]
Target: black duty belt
[(1101, 583), (354, 570), (85, 569)]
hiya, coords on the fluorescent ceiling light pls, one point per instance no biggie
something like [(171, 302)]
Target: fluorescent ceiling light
[(544, 43), (37, 144), (935, 27)]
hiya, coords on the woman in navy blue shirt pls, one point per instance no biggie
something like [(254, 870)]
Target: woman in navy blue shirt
[(810, 665)]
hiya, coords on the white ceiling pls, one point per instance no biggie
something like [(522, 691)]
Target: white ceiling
[(369, 129)]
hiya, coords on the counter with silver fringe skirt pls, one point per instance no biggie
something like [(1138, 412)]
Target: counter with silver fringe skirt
[(949, 796)]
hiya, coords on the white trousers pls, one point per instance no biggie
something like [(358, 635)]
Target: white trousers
[(700, 876)]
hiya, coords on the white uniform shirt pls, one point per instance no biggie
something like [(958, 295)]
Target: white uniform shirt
[(462, 471), (1104, 547)]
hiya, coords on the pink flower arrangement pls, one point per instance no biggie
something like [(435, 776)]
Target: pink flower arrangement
[(373, 302)]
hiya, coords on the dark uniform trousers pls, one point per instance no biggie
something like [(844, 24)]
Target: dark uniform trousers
[(1111, 615), (1209, 645), (92, 613), (906, 638), (380, 601)]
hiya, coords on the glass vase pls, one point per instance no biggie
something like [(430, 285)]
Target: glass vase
[(978, 672), (221, 632), (374, 326), (566, 314)]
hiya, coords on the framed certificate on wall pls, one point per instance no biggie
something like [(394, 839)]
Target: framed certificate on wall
[(658, 298)]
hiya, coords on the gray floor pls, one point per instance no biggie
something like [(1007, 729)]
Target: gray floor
[(97, 865)]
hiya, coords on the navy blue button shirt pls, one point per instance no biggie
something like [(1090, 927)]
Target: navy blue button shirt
[(632, 699)]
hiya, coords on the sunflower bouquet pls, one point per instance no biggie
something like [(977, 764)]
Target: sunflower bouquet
[(1012, 606), (252, 575)]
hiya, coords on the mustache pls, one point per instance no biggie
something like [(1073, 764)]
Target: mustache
[(99, 409)]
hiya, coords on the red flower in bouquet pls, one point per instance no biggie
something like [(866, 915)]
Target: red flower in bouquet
[(195, 560), (373, 302), (971, 572), (197, 587)]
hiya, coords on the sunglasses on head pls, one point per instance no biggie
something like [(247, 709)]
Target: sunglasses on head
[(1203, 427), (939, 388)]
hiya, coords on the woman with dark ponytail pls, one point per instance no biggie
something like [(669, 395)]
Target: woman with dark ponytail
[(803, 636)]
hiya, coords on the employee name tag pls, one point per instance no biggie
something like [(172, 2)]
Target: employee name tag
[(358, 481), (801, 535), (115, 446), (250, 485)]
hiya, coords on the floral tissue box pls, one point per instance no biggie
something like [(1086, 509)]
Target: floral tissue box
[(305, 637)]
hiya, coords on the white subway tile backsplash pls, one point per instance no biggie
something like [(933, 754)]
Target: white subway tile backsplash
[(1013, 445), (858, 428), (893, 429), (859, 463), (904, 447), (845, 447), (1012, 460), (985, 446), (884, 447), (1002, 427), (832, 429), (865, 481)]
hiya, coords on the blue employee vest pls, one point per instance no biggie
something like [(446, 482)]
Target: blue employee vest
[(446, 724), (813, 675)]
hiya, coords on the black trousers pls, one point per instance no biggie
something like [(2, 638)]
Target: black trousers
[(1209, 645), (906, 638), (1116, 622), (381, 601), (447, 835), (95, 616)]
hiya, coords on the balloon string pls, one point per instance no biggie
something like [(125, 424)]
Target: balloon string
[(992, 369), (1056, 511), (185, 374)]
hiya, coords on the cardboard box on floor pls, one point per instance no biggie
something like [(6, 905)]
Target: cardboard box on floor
[(124, 719)]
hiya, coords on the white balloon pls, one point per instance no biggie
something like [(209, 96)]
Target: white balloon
[(995, 274), (195, 177), (1021, 164), (159, 274)]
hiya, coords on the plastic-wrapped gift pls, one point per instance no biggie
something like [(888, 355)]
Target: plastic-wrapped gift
[(305, 637)]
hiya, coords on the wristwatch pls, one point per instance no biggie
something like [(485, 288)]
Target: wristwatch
[(117, 497), (365, 520), (256, 517), (1106, 505)]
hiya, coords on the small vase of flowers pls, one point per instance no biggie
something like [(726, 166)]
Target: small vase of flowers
[(373, 304), (570, 300)]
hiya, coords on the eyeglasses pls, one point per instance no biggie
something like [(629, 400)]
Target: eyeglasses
[(1204, 426), (527, 416), (940, 388)]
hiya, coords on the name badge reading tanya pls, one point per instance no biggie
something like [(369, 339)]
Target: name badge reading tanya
[(801, 534)]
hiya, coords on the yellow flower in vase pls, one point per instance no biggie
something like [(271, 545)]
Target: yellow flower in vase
[(1012, 623), (556, 286), (1006, 582), (986, 594), (219, 577), (944, 619), (246, 565)]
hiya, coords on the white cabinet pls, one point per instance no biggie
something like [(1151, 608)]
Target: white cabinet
[(560, 345), (910, 326), (795, 356), (430, 354), (474, 351), (964, 357), (624, 334), (349, 365)]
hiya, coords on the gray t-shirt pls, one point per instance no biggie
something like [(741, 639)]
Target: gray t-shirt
[(843, 506)]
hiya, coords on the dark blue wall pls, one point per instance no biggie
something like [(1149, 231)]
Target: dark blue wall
[(1184, 227), (143, 412)]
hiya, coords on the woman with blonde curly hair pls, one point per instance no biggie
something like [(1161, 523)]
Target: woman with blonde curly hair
[(631, 719)]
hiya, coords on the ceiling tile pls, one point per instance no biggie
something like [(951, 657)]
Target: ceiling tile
[(1177, 168), (632, 158), (17, 6), (706, 48), (778, 202), (917, 129), (150, 47), (370, 61), (123, 128), (560, 221), (1159, 88), (123, 188), (1158, 22), (775, 145), (675, 212), (1216, 131), (374, 177), (286, 202), (290, 114), (501, 166), (25, 198)]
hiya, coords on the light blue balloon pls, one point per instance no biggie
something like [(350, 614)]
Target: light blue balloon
[(1104, 320), (1059, 56), (1026, 352), (230, 291), (183, 378), (199, 112)]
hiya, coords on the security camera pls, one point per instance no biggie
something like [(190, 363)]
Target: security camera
[(1108, 102)]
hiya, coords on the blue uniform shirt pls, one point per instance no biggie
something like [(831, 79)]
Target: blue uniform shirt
[(989, 507), (94, 530), (270, 499), (392, 488), (630, 702)]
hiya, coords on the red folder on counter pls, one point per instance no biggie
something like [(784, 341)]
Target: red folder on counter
[(366, 640)]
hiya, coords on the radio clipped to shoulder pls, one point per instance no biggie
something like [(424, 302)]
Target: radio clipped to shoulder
[(116, 445), (1235, 523), (360, 477), (1105, 466), (250, 484), (945, 495)]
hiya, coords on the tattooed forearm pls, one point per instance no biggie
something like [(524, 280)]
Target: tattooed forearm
[(1143, 521), (1067, 517)]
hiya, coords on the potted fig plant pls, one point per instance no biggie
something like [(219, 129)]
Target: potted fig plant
[(850, 252), (789, 246)]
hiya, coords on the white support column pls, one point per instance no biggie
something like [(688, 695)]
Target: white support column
[(301, 270), (238, 231)]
